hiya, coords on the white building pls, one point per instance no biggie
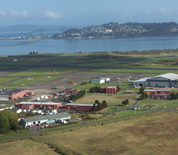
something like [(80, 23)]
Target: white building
[(164, 80), (43, 119), (98, 81), (141, 82)]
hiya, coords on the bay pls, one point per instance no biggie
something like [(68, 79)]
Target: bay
[(89, 45)]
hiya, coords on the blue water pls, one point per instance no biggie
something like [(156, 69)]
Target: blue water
[(90, 45)]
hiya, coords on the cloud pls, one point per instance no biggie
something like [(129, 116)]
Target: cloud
[(3, 14), (14, 13), (52, 15), (162, 11)]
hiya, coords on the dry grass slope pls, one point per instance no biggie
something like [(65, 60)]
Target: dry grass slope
[(157, 134), (154, 134)]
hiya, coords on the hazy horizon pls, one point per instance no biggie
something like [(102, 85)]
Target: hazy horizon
[(81, 13)]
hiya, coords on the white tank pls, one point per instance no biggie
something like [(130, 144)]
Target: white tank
[(46, 97)]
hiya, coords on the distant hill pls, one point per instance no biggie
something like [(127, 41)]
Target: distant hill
[(28, 28), (115, 30)]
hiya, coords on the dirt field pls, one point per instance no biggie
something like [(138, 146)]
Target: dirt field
[(155, 134)]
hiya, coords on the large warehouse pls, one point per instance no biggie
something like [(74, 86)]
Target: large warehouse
[(164, 80), (31, 105), (79, 106)]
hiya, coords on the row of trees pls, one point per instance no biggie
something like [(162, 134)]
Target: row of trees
[(174, 96), (98, 106), (97, 90), (78, 95), (8, 121), (100, 90), (33, 52)]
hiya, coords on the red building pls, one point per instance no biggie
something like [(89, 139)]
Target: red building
[(111, 89), (79, 107), (70, 90), (13, 94), (157, 92), (31, 105)]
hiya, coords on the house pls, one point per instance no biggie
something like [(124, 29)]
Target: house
[(43, 119)]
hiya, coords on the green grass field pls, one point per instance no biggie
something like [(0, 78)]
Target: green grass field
[(43, 71), (30, 80), (158, 103), (144, 71), (111, 100)]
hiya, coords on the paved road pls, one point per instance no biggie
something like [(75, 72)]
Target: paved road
[(84, 124)]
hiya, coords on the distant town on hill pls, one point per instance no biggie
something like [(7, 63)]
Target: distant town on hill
[(115, 30)]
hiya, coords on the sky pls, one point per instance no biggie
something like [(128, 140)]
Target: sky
[(86, 12)]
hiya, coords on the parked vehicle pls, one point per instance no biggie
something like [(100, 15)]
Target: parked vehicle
[(46, 126)]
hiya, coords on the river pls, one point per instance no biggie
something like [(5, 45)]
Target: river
[(89, 45)]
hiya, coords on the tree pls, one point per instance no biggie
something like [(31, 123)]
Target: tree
[(36, 52), (4, 122), (144, 96), (94, 107), (30, 52), (141, 90), (118, 89), (125, 102), (104, 104)]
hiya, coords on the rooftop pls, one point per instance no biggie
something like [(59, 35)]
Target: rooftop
[(142, 79), (39, 103), (111, 86), (48, 117), (5, 91), (79, 104), (170, 76)]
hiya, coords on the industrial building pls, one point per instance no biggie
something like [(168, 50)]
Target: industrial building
[(44, 119), (32, 105), (141, 82), (164, 80), (70, 90), (157, 92), (79, 107), (13, 94)]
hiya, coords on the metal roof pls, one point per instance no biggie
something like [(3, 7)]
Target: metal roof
[(111, 86), (143, 79), (40, 103), (170, 76), (79, 104), (48, 117)]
